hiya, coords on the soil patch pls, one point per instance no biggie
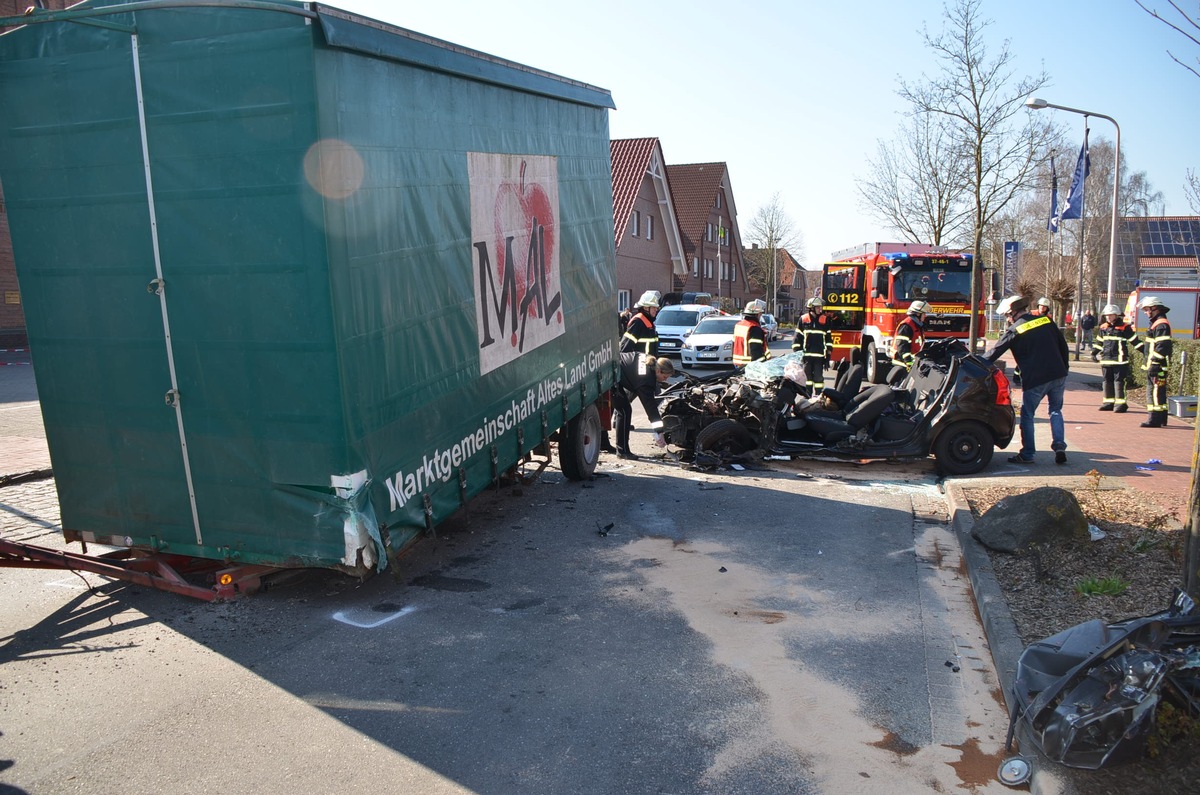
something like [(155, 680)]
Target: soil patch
[(1053, 588)]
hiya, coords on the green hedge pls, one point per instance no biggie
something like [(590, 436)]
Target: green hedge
[(1191, 373)]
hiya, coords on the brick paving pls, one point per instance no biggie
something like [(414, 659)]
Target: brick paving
[(1112, 444), (22, 437)]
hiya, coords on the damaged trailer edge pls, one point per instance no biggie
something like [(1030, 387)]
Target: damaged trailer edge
[(299, 284), (1089, 695)]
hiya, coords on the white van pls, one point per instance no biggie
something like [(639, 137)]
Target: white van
[(675, 323)]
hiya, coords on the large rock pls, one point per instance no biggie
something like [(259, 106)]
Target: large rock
[(1040, 516)]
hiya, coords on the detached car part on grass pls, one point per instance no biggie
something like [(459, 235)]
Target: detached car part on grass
[(1089, 695), (954, 405)]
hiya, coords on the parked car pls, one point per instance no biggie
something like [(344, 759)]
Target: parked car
[(771, 326), (710, 343), (954, 405), (675, 323)]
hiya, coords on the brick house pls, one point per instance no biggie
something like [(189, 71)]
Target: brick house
[(649, 247), (704, 202), (12, 315), (792, 289)]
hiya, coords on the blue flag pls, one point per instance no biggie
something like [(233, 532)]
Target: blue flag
[(1074, 204), (1052, 224)]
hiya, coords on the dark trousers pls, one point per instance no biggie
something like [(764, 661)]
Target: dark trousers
[(1156, 398), (622, 414), (1115, 376), (814, 373)]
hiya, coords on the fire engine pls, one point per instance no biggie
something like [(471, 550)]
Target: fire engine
[(1175, 281), (867, 291)]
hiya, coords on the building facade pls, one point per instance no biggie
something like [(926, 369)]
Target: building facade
[(712, 242), (649, 247)]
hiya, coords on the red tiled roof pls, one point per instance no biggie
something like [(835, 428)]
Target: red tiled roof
[(694, 189), (630, 160), (1168, 262)]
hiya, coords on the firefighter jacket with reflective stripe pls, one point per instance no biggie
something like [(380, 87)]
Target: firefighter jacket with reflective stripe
[(1039, 348), (1159, 345), (640, 335), (813, 336), (1112, 341), (749, 342), (909, 339)]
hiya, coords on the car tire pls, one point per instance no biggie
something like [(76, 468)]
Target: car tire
[(579, 447), (725, 436), (964, 448)]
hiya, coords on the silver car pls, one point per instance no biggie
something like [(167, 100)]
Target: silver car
[(771, 326), (710, 343), (675, 323)]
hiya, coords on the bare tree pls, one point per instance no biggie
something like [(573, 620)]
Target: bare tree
[(917, 185), (979, 97), (1137, 197), (1188, 26), (774, 231), (1191, 189)]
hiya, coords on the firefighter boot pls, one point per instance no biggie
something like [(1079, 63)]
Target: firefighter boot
[(1106, 407), (1158, 419)]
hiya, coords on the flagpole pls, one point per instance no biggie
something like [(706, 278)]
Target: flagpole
[(1082, 249), (1036, 103)]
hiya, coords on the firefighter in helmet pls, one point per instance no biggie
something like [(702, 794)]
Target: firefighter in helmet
[(1110, 347), (749, 339), (813, 337), (1158, 349), (1043, 307), (910, 335), (640, 334)]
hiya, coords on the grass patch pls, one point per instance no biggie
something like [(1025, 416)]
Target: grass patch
[(1101, 586)]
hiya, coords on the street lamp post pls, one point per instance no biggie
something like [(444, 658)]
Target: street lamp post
[(1036, 103)]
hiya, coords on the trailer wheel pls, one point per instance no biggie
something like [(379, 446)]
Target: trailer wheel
[(579, 449), (724, 436), (964, 448)]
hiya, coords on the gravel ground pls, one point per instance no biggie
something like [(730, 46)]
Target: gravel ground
[(1142, 549)]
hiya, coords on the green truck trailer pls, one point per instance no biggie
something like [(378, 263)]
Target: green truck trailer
[(298, 283)]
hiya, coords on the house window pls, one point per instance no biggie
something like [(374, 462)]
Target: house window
[(649, 227), (708, 232), (725, 236), (622, 300), (708, 269), (718, 200), (732, 272), (634, 222), (695, 266)]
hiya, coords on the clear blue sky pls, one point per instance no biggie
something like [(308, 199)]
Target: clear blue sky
[(795, 94)]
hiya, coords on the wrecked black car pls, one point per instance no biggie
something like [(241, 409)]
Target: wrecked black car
[(1088, 696), (953, 404)]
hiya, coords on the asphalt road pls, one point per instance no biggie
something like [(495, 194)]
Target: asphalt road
[(804, 629)]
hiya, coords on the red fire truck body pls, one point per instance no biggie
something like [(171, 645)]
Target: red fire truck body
[(868, 289)]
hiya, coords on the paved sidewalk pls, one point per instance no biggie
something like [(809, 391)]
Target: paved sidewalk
[(22, 437), (1112, 444)]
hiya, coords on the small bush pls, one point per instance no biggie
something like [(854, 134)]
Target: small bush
[(1190, 375)]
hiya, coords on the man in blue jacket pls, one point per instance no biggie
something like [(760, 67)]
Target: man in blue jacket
[(1041, 353)]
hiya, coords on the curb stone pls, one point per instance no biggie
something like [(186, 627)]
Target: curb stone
[(1049, 778)]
